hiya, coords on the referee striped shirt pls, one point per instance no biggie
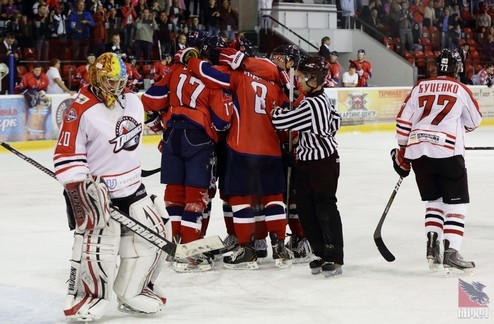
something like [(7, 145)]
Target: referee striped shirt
[(317, 122)]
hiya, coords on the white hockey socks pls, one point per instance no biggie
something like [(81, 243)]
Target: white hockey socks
[(454, 224), (92, 272), (139, 263), (434, 218)]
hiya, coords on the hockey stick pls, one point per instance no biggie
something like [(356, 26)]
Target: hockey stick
[(291, 75), (147, 173), (177, 250), (377, 233), (478, 148)]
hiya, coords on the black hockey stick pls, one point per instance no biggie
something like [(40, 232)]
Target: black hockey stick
[(377, 233), (147, 173), (178, 250), (478, 148)]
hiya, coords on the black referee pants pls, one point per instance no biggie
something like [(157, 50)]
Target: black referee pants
[(315, 185)]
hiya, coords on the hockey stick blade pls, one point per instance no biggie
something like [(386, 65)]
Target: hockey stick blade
[(180, 250), (387, 255)]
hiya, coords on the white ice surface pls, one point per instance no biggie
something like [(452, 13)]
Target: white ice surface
[(35, 248)]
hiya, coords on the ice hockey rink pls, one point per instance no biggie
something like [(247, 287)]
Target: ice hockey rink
[(35, 248)]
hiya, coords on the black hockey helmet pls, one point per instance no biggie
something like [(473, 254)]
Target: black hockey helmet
[(449, 63), (209, 48), (292, 52), (313, 67), (196, 38)]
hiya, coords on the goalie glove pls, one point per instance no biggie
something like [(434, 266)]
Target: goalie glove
[(184, 55), (90, 203), (231, 57), (153, 121), (400, 164)]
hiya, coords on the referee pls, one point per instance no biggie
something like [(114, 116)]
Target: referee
[(317, 167)]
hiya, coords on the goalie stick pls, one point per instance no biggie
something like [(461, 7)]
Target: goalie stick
[(177, 250), (478, 148), (377, 233)]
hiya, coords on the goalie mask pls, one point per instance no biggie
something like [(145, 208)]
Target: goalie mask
[(449, 63), (108, 77)]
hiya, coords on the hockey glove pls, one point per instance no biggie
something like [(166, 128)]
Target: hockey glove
[(231, 57), (90, 203), (400, 164), (153, 121), (184, 55)]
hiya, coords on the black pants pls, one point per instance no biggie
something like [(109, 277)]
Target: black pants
[(316, 183)]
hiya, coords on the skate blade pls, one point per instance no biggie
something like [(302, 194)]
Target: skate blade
[(332, 274), (305, 259), (187, 268), (283, 264), (242, 266), (450, 272), (433, 266), (199, 246), (129, 310)]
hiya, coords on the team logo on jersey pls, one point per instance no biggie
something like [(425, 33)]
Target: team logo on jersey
[(71, 115), (472, 300), (128, 134), (61, 110)]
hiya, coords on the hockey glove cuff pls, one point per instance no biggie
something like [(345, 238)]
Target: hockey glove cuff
[(153, 121), (231, 57), (400, 164)]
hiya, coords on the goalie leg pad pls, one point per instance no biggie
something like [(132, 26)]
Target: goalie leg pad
[(90, 203), (92, 272), (139, 263)]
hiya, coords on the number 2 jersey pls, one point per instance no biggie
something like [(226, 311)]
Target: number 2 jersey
[(96, 140), (252, 132), (434, 117)]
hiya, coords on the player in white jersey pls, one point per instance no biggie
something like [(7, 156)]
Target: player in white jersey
[(97, 161), (430, 129)]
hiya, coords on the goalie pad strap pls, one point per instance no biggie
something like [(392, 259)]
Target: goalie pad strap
[(90, 203)]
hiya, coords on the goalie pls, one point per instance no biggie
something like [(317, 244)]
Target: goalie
[(97, 161)]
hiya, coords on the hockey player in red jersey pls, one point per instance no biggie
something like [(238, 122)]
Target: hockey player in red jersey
[(364, 69), (254, 165), (82, 74), (334, 71), (162, 67), (97, 160), (193, 115), (430, 129)]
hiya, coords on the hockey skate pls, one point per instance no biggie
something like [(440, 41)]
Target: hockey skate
[(454, 264), (146, 303), (261, 248), (302, 252), (433, 251), (196, 263), (230, 242), (282, 256), (243, 258), (331, 269), (315, 266)]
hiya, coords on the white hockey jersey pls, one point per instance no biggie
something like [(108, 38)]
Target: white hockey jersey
[(95, 140), (434, 117)]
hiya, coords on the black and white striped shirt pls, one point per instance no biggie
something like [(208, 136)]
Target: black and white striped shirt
[(317, 122)]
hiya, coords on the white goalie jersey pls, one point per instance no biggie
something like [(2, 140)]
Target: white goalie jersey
[(434, 117), (108, 149)]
